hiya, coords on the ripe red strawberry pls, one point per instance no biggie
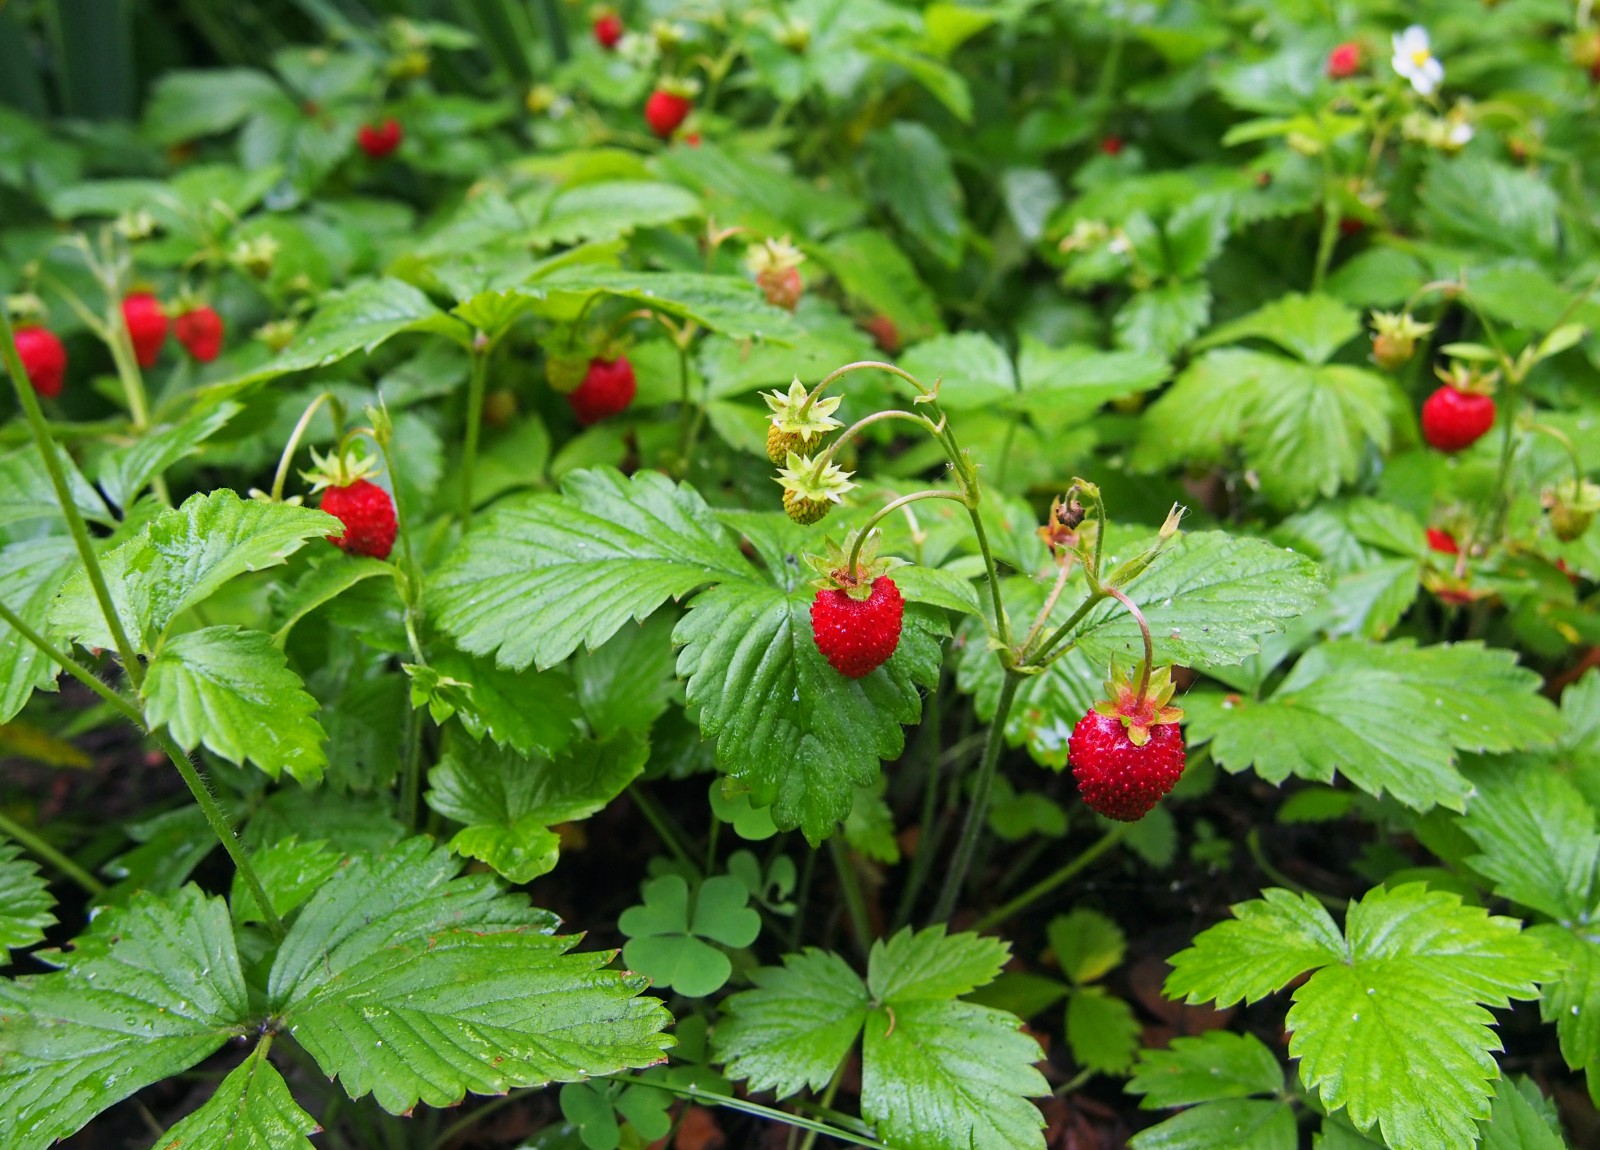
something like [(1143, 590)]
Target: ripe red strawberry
[(1454, 420), (1127, 754), (1111, 145), (1443, 542), (43, 359), (1344, 61), (857, 636), (367, 513), (378, 141), (665, 110), (200, 332), (607, 30), (884, 333), (607, 388), (147, 325)]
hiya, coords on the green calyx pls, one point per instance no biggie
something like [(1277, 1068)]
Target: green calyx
[(340, 468), (833, 568), (791, 414), (1140, 711)]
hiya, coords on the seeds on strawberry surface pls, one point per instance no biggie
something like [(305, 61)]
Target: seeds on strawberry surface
[(857, 636), (44, 359), (368, 516), (1118, 779)]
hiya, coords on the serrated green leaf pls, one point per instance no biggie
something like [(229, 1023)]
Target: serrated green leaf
[(1538, 838), (799, 733), (323, 582), (1312, 327), (1208, 598), (930, 964), (609, 209), (1101, 1030), (1062, 386), (626, 683), (252, 1109), (737, 366), (1302, 429), (730, 305), (410, 983), (534, 712), (1087, 944), (913, 176), (971, 369), (1235, 1124), (291, 871), (30, 574), (1388, 717), (1392, 1024), (797, 1024), (149, 991), (1216, 1065), (873, 271), (187, 104), (1572, 1001), (1484, 204), (25, 901), (181, 558), (937, 1073), (124, 473), (233, 691), (1515, 1122), (544, 574), (508, 801)]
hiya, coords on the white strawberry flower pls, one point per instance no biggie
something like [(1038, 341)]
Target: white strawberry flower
[(1414, 60)]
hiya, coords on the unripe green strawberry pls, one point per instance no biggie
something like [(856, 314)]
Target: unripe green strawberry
[(780, 443), (565, 372), (804, 511)]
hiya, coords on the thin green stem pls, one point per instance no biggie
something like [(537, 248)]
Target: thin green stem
[(978, 805), (69, 509), (889, 509), (71, 666), (38, 847), (219, 825), (1055, 879), (1002, 625), (850, 885), (1044, 654), (1064, 565), (411, 770), (1331, 215), (127, 363), (1253, 843), (861, 425), (281, 476), (927, 840), (657, 818), (1144, 631), (826, 1103), (744, 1106), (469, 450), (862, 365)]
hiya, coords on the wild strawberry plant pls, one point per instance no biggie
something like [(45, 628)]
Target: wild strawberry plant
[(737, 477)]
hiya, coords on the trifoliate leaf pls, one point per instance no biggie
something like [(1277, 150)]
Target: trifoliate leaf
[(534, 712), (797, 1024), (25, 902), (291, 872), (252, 1109), (1388, 717), (181, 558), (149, 991), (930, 964), (412, 984), (1235, 1124), (666, 932), (1392, 1024), (1303, 430), (539, 576), (1101, 1030), (31, 571), (509, 801), (1087, 944), (1208, 598), (799, 733), (937, 1073), (233, 691), (1538, 838), (1217, 1065)]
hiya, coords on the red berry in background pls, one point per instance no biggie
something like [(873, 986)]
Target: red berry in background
[(367, 513), (1344, 61), (607, 30), (665, 110), (200, 332), (857, 636), (378, 141), (607, 388), (1118, 779), (884, 333), (783, 287), (1111, 145), (147, 325), (1443, 542), (1454, 420), (43, 359), (1350, 226)]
